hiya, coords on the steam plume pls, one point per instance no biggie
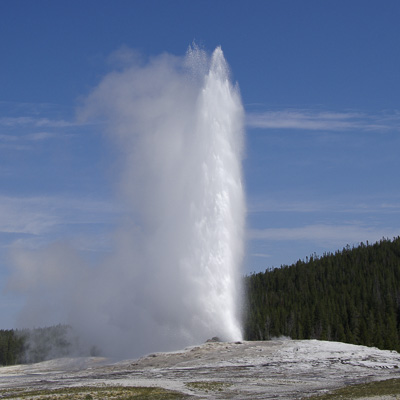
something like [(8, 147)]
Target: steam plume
[(173, 278)]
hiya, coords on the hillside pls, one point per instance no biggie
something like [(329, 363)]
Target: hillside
[(351, 296)]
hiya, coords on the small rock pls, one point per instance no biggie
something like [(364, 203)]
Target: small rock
[(213, 340)]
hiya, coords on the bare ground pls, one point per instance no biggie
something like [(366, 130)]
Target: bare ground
[(279, 369)]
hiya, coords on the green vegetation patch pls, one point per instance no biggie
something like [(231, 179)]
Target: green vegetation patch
[(206, 386), (390, 387), (95, 393)]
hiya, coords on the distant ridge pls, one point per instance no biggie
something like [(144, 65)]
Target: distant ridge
[(351, 296)]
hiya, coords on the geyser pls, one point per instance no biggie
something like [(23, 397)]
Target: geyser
[(173, 278)]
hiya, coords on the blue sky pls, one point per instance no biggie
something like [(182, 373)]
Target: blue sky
[(320, 86)]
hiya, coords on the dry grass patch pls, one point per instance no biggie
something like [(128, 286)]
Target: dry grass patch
[(390, 387), (208, 386), (95, 393)]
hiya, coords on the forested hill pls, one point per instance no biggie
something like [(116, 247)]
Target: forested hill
[(351, 296)]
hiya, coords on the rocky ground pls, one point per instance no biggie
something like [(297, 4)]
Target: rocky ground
[(278, 369)]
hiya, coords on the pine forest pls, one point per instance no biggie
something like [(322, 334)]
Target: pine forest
[(351, 296)]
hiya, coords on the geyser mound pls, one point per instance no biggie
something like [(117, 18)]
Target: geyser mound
[(173, 278)]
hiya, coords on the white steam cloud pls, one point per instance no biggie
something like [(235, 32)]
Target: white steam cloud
[(173, 278)]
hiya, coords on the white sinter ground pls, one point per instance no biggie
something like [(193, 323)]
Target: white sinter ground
[(284, 369)]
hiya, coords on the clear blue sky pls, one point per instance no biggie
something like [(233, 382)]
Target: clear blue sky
[(320, 83)]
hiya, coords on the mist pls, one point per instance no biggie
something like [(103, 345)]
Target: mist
[(173, 276)]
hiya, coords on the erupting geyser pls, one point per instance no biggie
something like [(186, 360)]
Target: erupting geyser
[(217, 207), (174, 276)]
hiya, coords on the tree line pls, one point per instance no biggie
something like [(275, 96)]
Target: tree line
[(350, 296), (11, 347), (35, 345)]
